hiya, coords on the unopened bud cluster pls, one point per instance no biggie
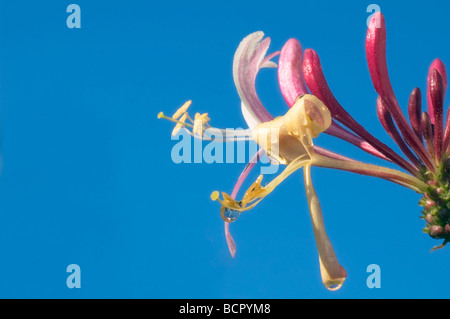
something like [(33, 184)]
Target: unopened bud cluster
[(436, 206)]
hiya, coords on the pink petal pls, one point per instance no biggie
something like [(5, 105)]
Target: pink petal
[(248, 59), (415, 111), (439, 66), (317, 84), (325, 152), (388, 124), (427, 131), (230, 241), (339, 132), (447, 132), (376, 56), (237, 186), (290, 72), (376, 59), (436, 99)]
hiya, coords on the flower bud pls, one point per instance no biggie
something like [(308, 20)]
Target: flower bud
[(429, 203), (436, 231), (432, 182), (429, 218), (447, 229)]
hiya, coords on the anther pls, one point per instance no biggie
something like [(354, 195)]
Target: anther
[(181, 110)]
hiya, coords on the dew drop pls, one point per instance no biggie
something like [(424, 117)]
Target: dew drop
[(230, 215), (333, 286)]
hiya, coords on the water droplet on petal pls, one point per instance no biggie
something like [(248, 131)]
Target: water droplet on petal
[(231, 215), (333, 286)]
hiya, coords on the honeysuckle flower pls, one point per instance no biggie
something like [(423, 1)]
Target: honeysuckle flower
[(288, 139)]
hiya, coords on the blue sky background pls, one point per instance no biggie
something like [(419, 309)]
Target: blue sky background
[(87, 177)]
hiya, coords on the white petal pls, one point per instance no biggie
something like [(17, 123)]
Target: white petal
[(249, 58), (249, 116)]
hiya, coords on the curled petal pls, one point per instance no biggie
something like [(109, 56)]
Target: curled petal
[(250, 118), (290, 72), (248, 59)]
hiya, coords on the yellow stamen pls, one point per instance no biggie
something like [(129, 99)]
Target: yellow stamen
[(198, 125), (200, 128), (182, 110), (215, 195), (229, 202), (200, 121), (256, 192), (162, 116), (179, 125)]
